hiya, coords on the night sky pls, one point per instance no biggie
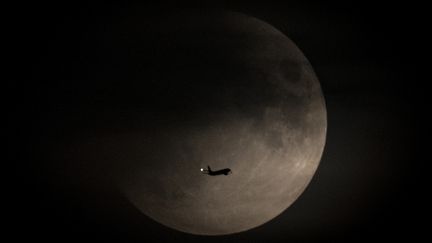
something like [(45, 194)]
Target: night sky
[(366, 55)]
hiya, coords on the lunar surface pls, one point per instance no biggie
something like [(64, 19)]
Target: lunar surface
[(229, 91)]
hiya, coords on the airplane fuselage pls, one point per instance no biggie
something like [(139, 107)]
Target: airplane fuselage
[(220, 172), (225, 171)]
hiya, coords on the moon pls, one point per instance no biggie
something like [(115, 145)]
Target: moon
[(229, 91)]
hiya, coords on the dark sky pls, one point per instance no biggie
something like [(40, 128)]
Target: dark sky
[(365, 55)]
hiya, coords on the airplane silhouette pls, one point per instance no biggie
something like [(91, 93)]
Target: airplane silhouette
[(210, 172)]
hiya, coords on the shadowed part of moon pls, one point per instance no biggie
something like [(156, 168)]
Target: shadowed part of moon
[(225, 90), (290, 70)]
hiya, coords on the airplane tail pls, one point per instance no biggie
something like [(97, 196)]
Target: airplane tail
[(209, 169)]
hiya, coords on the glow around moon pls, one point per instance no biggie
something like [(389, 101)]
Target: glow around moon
[(264, 117)]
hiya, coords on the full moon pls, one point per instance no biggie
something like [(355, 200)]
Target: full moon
[(227, 91)]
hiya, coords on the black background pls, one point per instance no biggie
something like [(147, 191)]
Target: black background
[(368, 185)]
